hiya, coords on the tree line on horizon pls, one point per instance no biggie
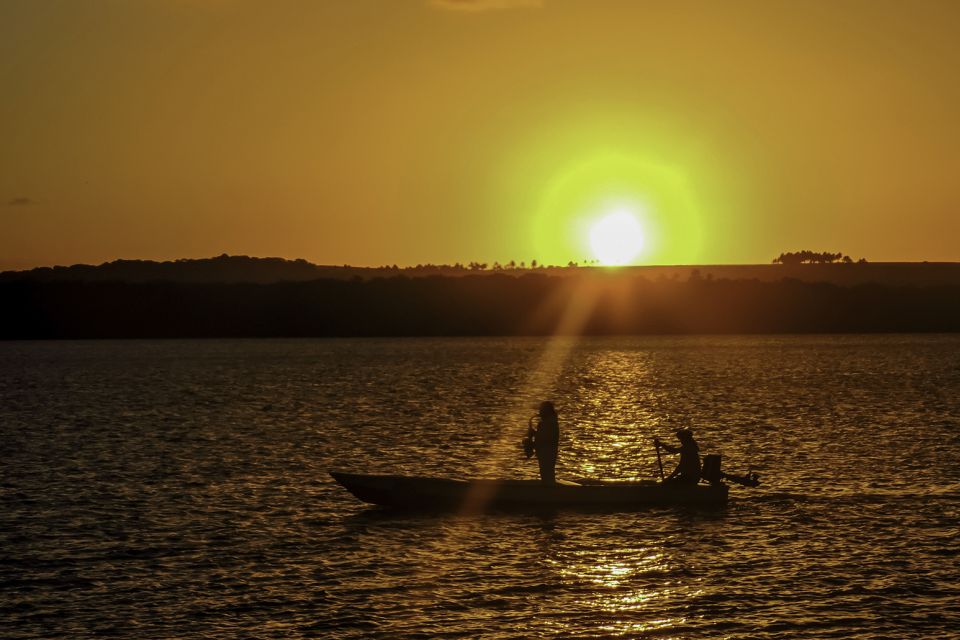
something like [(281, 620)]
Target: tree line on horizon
[(484, 266), (241, 268), (814, 257)]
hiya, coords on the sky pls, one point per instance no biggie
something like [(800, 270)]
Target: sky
[(373, 132)]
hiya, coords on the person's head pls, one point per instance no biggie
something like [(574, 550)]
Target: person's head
[(684, 435), (547, 409)]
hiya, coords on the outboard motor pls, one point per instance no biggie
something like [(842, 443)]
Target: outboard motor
[(711, 469)]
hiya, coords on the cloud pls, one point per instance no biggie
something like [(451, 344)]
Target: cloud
[(485, 5), (20, 202)]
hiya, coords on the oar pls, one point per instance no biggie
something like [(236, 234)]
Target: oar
[(659, 461)]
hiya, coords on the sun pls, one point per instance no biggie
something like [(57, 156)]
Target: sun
[(616, 239)]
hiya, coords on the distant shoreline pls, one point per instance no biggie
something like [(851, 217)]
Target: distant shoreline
[(226, 269), (593, 302)]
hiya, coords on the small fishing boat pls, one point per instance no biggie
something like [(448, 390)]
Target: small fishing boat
[(420, 493)]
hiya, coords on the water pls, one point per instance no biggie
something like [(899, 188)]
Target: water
[(153, 489)]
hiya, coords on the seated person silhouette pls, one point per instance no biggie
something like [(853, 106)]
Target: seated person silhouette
[(688, 470)]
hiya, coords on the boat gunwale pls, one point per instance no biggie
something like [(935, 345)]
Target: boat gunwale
[(398, 491)]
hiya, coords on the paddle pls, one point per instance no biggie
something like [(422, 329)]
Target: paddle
[(656, 445)]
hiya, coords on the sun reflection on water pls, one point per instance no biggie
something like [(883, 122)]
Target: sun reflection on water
[(628, 586), (612, 435)]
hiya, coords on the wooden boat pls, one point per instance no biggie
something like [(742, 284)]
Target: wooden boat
[(410, 492)]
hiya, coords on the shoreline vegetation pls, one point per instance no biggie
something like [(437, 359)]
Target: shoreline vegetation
[(239, 296)]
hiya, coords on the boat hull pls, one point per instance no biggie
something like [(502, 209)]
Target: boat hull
[(419, 493)]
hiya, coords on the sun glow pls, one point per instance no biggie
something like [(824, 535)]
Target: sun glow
[(617, 238)]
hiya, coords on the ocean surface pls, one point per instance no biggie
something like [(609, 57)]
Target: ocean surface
[(179, 489)]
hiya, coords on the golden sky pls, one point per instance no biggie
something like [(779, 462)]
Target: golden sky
[(376, 132)]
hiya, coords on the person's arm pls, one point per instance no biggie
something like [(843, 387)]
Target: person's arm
[(666, 447)]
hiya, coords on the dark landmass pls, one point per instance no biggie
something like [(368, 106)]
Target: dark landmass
[(588, 301), (220, 269), (244, 269)]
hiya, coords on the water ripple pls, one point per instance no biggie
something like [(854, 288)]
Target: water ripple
[(179, 489)]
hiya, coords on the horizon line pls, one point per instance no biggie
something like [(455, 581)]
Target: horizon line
[(487, 266)]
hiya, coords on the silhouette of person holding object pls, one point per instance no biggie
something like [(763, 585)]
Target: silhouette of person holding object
[(688, 470), (544, 440)]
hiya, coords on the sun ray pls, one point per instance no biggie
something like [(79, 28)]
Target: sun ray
[(581, 301)]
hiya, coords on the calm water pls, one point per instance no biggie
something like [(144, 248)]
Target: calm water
[(179, 489)]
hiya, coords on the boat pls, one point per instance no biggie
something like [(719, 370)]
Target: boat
[(425, 493)]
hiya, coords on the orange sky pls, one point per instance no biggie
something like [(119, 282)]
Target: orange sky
[(375, 132)]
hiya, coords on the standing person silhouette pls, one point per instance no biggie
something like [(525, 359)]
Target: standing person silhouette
[(546, 441), (688, 470)]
